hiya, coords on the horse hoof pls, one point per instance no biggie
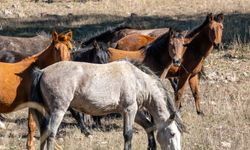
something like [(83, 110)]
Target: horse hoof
[(86, 133), (200, 113)]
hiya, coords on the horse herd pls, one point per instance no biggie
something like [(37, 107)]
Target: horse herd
[(99, 82)]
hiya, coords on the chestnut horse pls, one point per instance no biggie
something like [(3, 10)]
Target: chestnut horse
[(16, 78), (155, 33), (133, 42), (193, 59)]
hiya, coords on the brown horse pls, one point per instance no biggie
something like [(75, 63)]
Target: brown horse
[(134, 42), (193, 59), (16, 78), (158, 55)]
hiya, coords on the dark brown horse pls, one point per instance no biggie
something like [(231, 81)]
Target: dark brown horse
[(158, 55), (198, 49)]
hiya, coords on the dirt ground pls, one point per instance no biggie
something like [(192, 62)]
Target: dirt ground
[(225, 92)]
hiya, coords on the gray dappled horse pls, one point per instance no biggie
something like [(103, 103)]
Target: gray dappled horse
[(100, 89)]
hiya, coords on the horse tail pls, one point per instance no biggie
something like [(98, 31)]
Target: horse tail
[(36, 95)]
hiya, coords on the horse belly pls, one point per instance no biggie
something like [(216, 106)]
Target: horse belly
[(11, 93), (95, 105), (9, 98)]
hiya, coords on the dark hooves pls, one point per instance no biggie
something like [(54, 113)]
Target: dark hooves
[(86, 132), (200, 113)]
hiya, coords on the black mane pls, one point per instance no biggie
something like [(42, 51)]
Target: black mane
[(106, 35)]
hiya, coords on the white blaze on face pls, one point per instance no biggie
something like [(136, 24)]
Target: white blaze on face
[(175, 140), (169, 137)]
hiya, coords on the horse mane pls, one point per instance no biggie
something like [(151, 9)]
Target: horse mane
[(43, 34), (195, 31), (106, 33), (170, 103), (151, 48)]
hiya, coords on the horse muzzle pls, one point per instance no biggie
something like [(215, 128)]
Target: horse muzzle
[(218, 46), (177, 62)]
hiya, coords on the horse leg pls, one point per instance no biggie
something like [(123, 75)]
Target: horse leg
[(97, 121), (194, 85), (41, 120), (165, 71), (79, 118), (128, 120), (142, 120), (52, 127), (31, 131), (2, 126), (174, 83), (180, 89)]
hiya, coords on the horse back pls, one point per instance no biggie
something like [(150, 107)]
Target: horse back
[(123, 54), (134, 41)]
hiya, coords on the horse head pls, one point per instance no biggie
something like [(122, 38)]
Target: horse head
[(215, 28), (101, 52), (61, 45), (176, 46)]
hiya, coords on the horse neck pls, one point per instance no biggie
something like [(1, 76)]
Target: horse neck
[(201, 45), (156, 105), (42, 59), (153, 56)]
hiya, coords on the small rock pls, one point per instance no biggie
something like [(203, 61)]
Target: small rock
[(226, 144), (245, 74), (213, 103), (60, 140), (7, 12), (2, 126)]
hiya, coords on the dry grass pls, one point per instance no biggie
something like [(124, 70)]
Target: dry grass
[(225, 94)]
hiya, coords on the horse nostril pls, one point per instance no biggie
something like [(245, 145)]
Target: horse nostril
[(176, 62)]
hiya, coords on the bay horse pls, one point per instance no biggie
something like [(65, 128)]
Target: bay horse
[(158, 55), (198, 49), (100, 89), (16, 78)]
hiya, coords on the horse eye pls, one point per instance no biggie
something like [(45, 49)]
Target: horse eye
[(172, 134)]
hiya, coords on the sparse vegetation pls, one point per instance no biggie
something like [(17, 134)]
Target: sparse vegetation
[(225, 92)]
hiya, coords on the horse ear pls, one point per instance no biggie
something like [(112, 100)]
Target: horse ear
[(219, 18), (69, 36), (187, 41), (170, 119), (171, 31), (210, 17), (184, 33), (95, 44), (54, 36)]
